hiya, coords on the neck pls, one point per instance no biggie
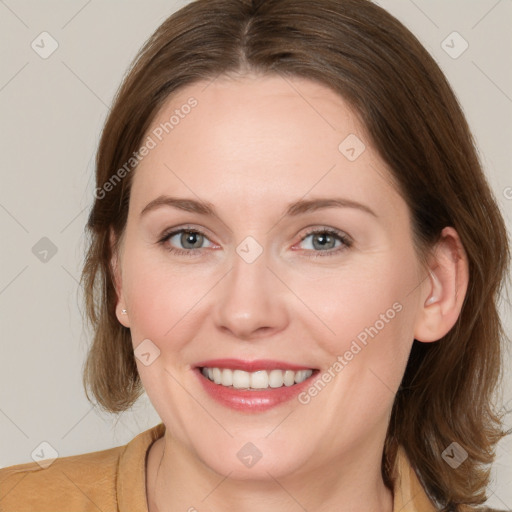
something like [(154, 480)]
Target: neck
[(178, 481)]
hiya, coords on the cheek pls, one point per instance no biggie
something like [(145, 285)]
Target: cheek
[(370, 312), (363, 301), (162, 297)]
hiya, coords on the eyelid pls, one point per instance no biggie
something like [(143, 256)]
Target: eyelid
[(167, 233), (171, 232), (325, 229), (346, 241)]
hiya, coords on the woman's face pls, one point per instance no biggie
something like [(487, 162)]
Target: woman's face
[(256, 291)]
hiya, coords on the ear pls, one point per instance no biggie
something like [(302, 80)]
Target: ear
[(115, 265), (444, 291)]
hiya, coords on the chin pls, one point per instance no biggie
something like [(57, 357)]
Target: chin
[(258, 459)]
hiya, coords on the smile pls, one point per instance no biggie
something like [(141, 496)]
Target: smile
[(262, 379), (253, 386)]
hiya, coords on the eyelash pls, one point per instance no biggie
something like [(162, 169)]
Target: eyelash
[(346, 241)]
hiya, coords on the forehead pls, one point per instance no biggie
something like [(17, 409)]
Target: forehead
[(277, 139)]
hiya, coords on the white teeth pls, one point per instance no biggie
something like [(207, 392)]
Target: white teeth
[(217, 376), (289, 378), (275, 378), (241, 379), (227, 378), (298, 377), (260, 379)]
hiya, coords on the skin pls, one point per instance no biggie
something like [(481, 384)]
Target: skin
[(250, 147)]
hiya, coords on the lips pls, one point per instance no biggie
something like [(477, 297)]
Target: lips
[(253, 386), (251, 366)]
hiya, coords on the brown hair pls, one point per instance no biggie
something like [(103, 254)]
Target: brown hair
[(414, 121)]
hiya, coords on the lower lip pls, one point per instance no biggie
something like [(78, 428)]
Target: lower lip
[(252, 401)]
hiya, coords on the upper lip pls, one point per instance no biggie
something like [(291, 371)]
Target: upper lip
[(251, 366)]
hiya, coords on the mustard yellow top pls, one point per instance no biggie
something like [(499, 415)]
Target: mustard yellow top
[(114, 480)]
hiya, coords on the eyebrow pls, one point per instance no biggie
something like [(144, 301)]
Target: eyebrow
[(296, 208)]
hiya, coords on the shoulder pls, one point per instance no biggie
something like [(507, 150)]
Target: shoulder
[(107, 480), (78, 482)]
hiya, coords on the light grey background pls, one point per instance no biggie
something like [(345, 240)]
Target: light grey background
[(52, 112)]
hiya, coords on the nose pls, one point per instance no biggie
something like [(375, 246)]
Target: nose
[(252, 300)]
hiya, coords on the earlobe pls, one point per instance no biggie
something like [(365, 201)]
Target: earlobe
[(121, 311), (444, 290), (122, 315)]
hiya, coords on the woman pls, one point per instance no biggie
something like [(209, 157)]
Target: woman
[(330, 339)]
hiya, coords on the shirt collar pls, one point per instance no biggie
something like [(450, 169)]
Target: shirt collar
[(131, 474)]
